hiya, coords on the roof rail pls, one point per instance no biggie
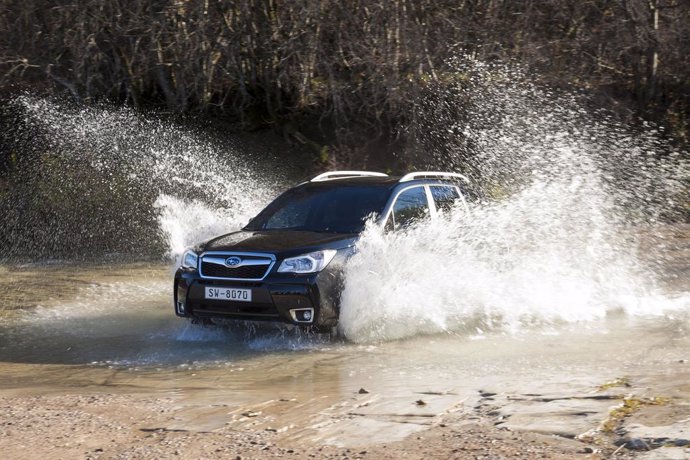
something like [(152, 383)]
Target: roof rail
[(424, 174), (346, 174)]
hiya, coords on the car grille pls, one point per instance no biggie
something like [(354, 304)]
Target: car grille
[(257, 270), (219, 271)]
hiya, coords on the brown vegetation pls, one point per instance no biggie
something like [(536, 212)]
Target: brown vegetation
[(354, 65)]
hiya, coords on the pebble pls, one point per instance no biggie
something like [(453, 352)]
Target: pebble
[(637, 444)]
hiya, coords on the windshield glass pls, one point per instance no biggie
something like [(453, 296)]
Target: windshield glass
[(337, 209)]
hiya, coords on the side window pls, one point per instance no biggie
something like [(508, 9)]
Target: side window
[(410, 206), (445, 197)]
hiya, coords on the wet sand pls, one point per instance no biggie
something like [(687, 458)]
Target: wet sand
[(100, 368), (498, 397)]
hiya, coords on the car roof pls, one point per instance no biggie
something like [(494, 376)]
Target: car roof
[(357, 180), (382, 181), (338, 179)]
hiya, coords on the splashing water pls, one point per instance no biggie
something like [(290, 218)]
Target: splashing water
[(188, 222), (556, 240), (503, 266), (115, 180)]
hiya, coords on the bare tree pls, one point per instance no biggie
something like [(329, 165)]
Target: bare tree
[(353, 65)]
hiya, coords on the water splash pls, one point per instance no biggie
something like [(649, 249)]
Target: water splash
[(186, 222), (567, 194), (106, 180)]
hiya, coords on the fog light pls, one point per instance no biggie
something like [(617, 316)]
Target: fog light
[(302, 315), (180, 308)]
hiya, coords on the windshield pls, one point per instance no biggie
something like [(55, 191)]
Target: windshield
[(338, 209)]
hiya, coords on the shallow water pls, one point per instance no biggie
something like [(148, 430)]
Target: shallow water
[(115, 324), (111, 329)]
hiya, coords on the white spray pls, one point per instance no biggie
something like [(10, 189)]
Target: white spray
[(555, 240)]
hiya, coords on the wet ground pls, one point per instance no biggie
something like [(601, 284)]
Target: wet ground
[(68, 331)]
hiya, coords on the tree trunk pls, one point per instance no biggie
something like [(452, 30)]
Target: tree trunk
[(652, 52)]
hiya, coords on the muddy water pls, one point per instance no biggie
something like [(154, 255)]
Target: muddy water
[(110, 329)]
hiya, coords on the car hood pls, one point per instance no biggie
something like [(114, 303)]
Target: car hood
[(280, 242)]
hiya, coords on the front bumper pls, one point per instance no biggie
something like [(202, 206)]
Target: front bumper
[(279, 297)]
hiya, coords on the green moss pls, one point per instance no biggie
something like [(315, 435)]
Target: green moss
[(629, 406), (619, 382)]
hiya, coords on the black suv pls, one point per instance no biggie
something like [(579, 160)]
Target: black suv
[(287, 263)]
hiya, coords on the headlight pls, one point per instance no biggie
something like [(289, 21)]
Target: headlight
[(308, 263), (190, 259)]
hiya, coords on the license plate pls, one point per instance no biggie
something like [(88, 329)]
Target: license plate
[(239, 295)]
